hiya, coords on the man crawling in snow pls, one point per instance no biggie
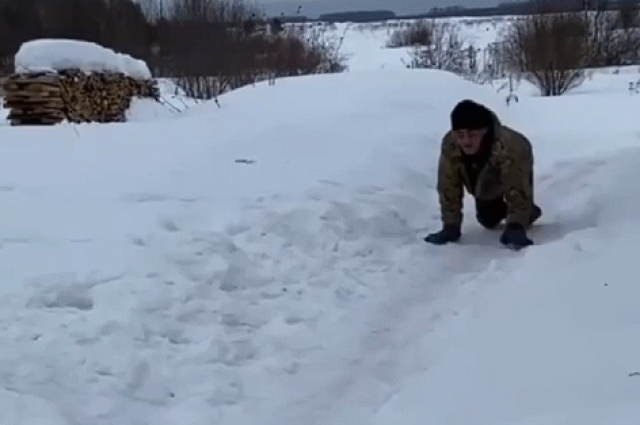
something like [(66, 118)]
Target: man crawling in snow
[(495, 165)]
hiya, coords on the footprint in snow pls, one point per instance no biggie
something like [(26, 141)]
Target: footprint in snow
[(245, 161), (169, 225)]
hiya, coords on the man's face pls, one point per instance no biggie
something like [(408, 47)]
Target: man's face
[(470, 140)]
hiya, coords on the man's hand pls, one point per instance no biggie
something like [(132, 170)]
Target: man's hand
[(449, 233)]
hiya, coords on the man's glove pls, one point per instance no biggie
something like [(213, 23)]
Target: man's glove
[(449, 233), (515, 236)]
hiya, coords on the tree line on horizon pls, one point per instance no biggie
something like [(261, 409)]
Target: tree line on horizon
[(502, 9)]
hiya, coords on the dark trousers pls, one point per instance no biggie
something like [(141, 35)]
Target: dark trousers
[(490, 213)]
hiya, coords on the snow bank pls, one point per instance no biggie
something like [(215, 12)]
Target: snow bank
[(60, 54)]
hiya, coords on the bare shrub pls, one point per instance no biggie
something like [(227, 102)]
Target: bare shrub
[(444, 50), (550, 50), (324, 50), (614, 34), (419, 32), (234, 47), (439, 45), (190, 37)]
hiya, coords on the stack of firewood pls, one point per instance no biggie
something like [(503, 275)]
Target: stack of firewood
[(48, 98), (34, 99)]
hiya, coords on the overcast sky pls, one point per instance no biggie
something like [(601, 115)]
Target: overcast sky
[(312, 8)]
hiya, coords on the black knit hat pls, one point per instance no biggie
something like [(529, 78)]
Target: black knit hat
[(469, 115)]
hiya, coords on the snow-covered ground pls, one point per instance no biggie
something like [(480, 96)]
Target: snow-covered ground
[(262, 263), (364, 43)]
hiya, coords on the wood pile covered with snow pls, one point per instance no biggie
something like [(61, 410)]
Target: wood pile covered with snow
[(77, 81)]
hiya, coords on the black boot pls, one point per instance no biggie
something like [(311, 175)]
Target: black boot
[(536, 213)]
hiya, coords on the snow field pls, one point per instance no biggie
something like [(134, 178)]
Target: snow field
[(364, 44), (200, 270)]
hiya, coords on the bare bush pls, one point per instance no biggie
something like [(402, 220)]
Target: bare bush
[(550, 50), (189, 38), (614, 34), (234, 49), (325, 50), (438, 45), (443, 52), (419, 32)]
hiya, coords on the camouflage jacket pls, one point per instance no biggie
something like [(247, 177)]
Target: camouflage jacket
[(508, 172)]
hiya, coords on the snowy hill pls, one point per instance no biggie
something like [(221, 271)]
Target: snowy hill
[(262, 263)]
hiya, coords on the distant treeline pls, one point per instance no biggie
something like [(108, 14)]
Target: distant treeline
[(502, 9), (525, 8), (358, 16)]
